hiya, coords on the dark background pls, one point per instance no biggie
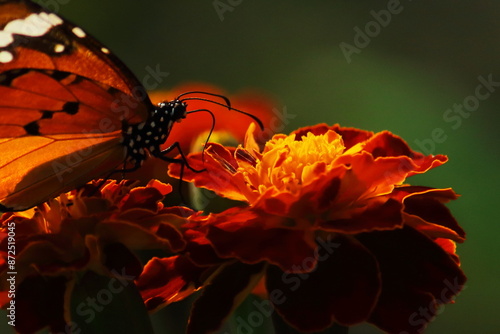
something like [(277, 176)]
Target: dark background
[(425, 60)]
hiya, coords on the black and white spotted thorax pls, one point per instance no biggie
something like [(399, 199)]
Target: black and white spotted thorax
[(147, 137)]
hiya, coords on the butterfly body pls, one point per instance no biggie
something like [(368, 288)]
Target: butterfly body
[(147, 137)]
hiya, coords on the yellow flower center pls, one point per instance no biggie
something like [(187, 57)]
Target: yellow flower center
[(288, 164)]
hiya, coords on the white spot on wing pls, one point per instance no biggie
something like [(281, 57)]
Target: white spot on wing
[(79, 32), (54, 19), (104, 50), (59, 48), (5, 38), (6, 57), (34, 25)]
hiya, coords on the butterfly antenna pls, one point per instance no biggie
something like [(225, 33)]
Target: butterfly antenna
[(228, 102), (255, 118), (211, 129)]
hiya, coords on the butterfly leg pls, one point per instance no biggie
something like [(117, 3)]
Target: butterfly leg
[(183, 160)]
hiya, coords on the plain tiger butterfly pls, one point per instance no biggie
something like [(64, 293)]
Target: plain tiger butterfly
[(70, 111)]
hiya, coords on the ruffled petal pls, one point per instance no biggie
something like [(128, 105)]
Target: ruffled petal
[(218, 167), (425, 211), (343, 288), (167, 280), (226, 232), (417, 276), (350, 136), (380, 214)]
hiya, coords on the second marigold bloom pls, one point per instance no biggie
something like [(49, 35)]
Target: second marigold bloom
[(95, 230), (341, 234)]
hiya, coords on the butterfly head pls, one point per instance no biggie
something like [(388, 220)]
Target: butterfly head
[(175, 110)]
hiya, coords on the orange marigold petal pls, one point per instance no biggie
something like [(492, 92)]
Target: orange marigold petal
[(450, 247), (163, 188), (425, 210), (167, 280), (146, 198), (386, 144), (216, 177), (350, 136), (226, 232), (380, 214), (428, 162)]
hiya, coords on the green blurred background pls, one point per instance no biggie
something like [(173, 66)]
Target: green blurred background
[(425, 60)]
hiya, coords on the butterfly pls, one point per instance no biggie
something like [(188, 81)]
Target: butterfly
[(70, 110)]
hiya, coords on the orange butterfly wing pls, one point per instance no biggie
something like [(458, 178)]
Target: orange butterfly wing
[(34, 38), (63, 97)]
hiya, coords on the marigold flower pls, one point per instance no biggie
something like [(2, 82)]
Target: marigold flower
[(343, 238), (94, 229)]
